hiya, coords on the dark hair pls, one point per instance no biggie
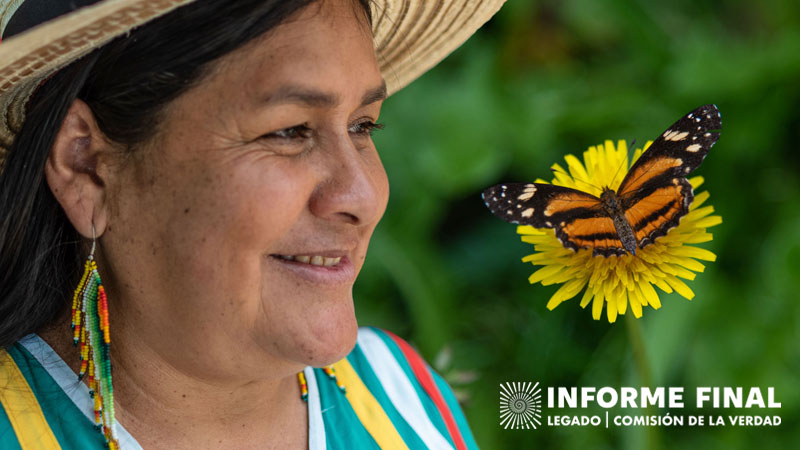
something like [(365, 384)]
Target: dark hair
[(127, 84)]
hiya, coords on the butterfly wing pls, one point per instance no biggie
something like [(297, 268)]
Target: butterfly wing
[(655, 193), (577, 217), (654, 214)]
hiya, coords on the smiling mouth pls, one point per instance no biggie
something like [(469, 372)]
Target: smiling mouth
[(314, 260)]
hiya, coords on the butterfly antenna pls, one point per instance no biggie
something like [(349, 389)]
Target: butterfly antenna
[(629, 154), (575, 178)]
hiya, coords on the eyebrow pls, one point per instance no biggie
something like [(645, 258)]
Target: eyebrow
[(319, 99), (375, 95)]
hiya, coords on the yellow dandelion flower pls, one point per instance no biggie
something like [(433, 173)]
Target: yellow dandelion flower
[(617, 281)]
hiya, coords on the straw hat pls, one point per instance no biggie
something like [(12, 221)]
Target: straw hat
[(411, 36)]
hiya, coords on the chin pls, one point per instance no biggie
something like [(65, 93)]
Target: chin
[(331, 338)]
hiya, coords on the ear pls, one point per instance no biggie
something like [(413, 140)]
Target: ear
[(72, 170)]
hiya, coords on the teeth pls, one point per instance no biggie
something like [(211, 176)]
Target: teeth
[(315, 260)]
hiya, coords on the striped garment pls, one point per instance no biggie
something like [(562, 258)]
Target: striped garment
[(392, 400)]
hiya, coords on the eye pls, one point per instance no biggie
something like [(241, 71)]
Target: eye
[(291, 133), (365, 128)]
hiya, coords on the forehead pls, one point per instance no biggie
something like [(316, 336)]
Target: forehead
[(327, 45)]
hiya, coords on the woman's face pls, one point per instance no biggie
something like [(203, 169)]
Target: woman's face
[(235, 236)]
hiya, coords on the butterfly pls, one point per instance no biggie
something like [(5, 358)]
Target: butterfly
[(650, 201)]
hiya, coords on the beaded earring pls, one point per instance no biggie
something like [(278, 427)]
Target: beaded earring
[(329, 371), (332, 375), (91, 330)]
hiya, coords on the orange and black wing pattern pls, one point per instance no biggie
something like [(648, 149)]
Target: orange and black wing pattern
[(655, 193), (652, 197), (577, 217)]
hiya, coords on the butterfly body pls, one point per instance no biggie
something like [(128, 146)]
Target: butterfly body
[(650, 200), (614, 209)]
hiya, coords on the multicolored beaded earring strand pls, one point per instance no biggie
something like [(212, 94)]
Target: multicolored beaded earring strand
[(329, 371), (332, 375), (301, 378), (91, 330)]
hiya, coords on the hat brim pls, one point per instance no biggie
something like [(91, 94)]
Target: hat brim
[(411, 36)]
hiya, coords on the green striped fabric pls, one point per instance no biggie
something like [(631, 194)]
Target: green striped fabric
[(71, 428), (384, 403)]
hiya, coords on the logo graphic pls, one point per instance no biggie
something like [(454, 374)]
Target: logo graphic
[(520, 405)]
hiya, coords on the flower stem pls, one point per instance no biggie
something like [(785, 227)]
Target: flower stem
[(645, 374), (638, 350)]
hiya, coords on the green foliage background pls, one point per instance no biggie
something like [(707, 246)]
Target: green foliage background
[(544, 79)]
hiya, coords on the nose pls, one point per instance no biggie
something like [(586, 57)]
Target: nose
[(354, 189)]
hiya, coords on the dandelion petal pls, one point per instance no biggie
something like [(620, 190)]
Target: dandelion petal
[(587, 296), (680, 287), (650, 294), (597, 306), (636, 308)]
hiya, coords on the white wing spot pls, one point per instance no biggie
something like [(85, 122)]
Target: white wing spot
[(527, 213), (697, 119), (503, 194), (671, 135), (519, 206), (504, 187), (549, 224), (494, 199), (509, 211), (693, 148), (530, 189), (707, 135), (687, 170)]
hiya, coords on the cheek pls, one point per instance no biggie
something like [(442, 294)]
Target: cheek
[(196, 228), (244, 211)]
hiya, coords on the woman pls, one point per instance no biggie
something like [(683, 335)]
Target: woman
[(214, 168)]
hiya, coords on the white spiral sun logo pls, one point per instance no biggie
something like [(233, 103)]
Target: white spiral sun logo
[(520, 405)]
